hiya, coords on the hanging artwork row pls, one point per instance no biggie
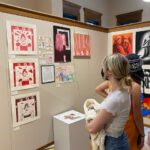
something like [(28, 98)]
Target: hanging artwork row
[(21, 38), (25, 108), (24, 73), (137, 41)]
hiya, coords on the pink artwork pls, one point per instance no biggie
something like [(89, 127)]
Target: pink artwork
[(25, 108), (62, 44), (23, 73), (81, 45), (21, 38)]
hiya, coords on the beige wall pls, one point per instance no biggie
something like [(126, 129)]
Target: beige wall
[(97, 5), (43, 6), (29, 4), (117, 7), (53, 99), (109, 8)]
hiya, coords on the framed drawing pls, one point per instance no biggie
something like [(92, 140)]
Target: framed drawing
[(62, 44), (122, 43), (142, 45), (21, 38), (47, 73), (64, 73), (24, 73), (81, 45), (25, 108)]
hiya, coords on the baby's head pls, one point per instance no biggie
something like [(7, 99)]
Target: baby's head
[(90, 104)]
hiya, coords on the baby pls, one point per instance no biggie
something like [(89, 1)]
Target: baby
[(91, 107)]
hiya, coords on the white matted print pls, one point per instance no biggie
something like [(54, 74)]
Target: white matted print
[(21, 38), (25, 108), (24, 73)]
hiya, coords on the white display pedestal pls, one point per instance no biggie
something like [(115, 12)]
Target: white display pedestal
[(70, 132)]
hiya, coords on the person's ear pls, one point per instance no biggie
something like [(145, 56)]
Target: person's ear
[(109, 72)]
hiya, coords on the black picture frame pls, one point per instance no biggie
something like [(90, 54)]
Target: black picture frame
[(45, 69)]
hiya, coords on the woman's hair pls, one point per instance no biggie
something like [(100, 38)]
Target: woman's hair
[(119, 66)]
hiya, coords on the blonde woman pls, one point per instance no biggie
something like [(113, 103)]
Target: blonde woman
[(114, 110), (134, 126)]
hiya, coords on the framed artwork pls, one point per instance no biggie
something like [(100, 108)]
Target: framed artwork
[(47, 73), (82, 45), (21, 38), (143, 45), (64, 73), (62, 44), (146, 69), (24, 73), (122, 43), (146, 108), (25, 108)]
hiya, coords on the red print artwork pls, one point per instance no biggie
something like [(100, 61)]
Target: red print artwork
[(22, 38), (122, 43), (81, 45), (24, 74)]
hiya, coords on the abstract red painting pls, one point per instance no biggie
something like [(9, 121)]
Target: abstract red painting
[(81, 45)]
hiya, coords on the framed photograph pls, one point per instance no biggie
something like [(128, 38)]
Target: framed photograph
[(47, 73), (25, 108), (22, 38), (24, 73)]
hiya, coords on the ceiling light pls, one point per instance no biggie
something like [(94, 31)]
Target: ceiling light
[(146, 0)]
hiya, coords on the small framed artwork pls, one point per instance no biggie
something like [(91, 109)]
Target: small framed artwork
[(24, 73), (47, 74), (62, 44), (25, 108), (21, 38)]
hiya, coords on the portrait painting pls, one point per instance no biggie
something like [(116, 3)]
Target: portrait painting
[(122, 43), (62, 44)]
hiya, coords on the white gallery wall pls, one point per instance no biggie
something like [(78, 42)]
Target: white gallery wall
[(54, 98)]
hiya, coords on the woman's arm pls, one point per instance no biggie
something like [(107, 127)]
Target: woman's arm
[(136, 104), (101, 89), (99, 122)]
